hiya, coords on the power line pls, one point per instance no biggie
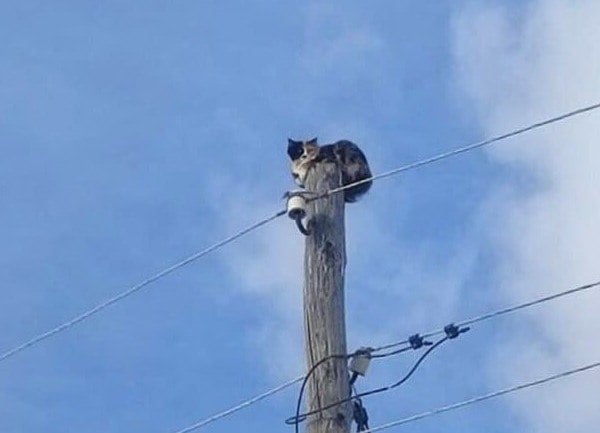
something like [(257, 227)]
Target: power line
[(463, 149), (301, 417), (481, 398), (408, 167), (62, 327), (240, 406), (298, 418), (295, 420), (473, 320), (500, 312), (230, 239), (137, 287)]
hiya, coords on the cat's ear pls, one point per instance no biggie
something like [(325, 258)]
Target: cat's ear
[(311, 148), (294, 149), (311, 145)]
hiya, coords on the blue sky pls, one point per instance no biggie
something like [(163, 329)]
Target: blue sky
[(135, 134)]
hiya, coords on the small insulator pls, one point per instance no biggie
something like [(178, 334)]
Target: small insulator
[(296, 209), (296, 206), (359, 363)]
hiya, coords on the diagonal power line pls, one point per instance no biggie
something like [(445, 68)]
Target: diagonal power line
[(83, 316), (66, 325), (473, 320), (500, 312), (396, 171), (481, 398), (240, 406), (464, 149)]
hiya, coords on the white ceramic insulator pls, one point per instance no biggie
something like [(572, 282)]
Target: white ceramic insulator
[(296, 206), (360, 363)]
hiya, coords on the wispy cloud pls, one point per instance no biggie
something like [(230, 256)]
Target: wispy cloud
[(516, 67)]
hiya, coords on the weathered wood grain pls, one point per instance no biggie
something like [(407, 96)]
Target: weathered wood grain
[(324, 321)]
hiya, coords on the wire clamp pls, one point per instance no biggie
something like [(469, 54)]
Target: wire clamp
[(360, 416), (416, 342), (452, 331)]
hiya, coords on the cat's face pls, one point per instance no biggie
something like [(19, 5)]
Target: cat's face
[(302, 154), (302, 150)]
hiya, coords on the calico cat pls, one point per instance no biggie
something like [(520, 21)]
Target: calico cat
[(352, 161)]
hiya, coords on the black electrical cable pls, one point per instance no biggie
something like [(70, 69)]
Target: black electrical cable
[(305, 381), (327, 358), (481, 318), (301, 417)]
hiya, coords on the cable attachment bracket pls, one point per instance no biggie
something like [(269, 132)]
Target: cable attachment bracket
[(360, 416), (452, 331), (416, 342)]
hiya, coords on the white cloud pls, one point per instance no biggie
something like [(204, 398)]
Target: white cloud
[(267, 265), (517, 67)]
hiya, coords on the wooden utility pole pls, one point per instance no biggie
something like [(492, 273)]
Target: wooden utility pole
[(324, 321)]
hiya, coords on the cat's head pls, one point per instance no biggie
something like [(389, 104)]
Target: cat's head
[(302, 150)]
